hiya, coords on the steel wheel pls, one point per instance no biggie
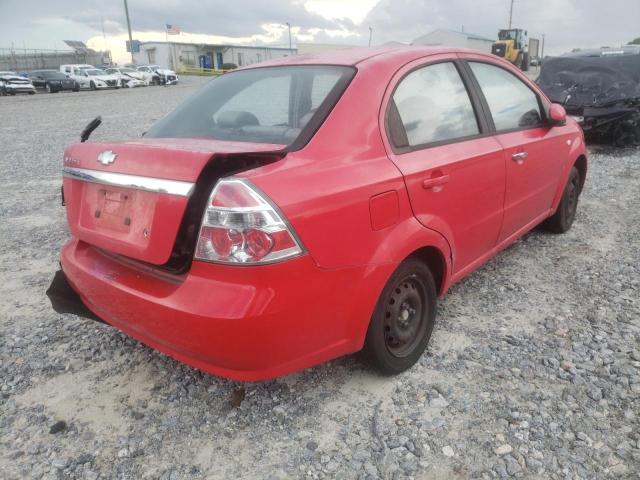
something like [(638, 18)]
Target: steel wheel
[(562, 220), (404, 320), (571, 205)]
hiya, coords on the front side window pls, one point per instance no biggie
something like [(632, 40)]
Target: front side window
[(261, 105), (433, 106), (513, 105)]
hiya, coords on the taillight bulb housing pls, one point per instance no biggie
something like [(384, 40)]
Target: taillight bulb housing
[(241, 226)]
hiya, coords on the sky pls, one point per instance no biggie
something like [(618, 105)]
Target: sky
[(567, 24)]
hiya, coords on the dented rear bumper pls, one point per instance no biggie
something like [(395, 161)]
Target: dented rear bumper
[(245, 323)]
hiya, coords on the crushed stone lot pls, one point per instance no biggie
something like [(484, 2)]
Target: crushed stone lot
[(533, 370)]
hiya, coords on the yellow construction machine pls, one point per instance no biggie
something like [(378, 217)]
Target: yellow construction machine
[(512, 45)]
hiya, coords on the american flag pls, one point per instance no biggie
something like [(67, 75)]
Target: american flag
[(173, 29)]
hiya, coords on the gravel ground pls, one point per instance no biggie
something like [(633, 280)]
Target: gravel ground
[(533, 370)]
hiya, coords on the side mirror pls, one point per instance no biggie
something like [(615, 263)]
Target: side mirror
[(557, 114)]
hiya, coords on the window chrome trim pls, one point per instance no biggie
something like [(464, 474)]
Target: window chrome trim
[(148, 184)]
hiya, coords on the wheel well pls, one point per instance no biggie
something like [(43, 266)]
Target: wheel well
[(581, 165), (434, 259)]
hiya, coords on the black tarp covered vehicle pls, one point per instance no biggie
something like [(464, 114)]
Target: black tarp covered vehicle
[(601, 88)]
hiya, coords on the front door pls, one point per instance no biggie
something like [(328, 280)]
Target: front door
[(534, 151), (219, 61), (454, 172)]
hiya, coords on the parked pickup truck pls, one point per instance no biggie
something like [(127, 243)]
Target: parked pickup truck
[(90, 77)]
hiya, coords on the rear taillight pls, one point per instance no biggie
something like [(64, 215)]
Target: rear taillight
[(241, 226)]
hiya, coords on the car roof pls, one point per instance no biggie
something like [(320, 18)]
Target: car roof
[(357, 55)]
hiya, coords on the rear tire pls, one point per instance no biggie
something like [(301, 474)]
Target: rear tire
[(561, 221), (403, 320), (525, 62)]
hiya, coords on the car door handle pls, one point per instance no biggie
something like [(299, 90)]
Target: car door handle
[(433, 183), (519, 157)]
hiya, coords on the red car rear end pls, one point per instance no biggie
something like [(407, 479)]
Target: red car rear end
[(273, 221)]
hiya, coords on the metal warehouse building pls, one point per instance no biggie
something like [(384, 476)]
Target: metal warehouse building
[(177, 55), (453, 38)]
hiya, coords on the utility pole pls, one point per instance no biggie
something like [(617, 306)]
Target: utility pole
[(542, 50), (510, 14), (126, 11), (370, 35), (289, 27)]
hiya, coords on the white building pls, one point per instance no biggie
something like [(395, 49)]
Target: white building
[(177, 55), (453, 38)]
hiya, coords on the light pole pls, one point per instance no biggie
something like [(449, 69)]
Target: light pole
[(289, 27), (510, 14), (126, 11), (370, 35)]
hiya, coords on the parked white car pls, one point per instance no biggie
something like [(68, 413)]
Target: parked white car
[(166, 76), (128, 77), (90, 77), (12, 83)]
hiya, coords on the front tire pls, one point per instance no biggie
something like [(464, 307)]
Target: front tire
[(92, 86), (561, 221), (403, 320)]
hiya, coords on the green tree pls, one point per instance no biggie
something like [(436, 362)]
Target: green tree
[(635, 41)]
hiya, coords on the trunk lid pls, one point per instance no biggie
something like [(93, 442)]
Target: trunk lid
[(129, 198)]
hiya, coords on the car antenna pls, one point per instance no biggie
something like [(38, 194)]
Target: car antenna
[(91, 126)]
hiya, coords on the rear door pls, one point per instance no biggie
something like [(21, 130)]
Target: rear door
[(454, 170), (534, 152)]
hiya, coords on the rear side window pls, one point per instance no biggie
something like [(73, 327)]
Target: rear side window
[(512, 103), (259, 105), (433, 106)]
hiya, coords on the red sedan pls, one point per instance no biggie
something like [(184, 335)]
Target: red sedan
[(315, 206)]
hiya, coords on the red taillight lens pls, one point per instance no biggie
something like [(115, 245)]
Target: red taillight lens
[(240, 226)]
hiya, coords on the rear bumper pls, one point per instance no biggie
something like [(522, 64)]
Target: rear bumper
[(239, 322)]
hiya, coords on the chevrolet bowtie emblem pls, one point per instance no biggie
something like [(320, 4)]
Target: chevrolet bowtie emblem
[(107, 157)]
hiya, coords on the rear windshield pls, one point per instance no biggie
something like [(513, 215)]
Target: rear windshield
[(263, 105)]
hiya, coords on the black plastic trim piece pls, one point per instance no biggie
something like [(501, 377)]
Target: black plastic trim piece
[(64, 298)]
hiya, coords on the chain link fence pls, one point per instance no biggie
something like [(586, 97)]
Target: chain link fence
[(24, 60)]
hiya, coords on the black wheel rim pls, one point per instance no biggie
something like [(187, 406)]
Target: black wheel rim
[(572, 199), (405, 317)]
